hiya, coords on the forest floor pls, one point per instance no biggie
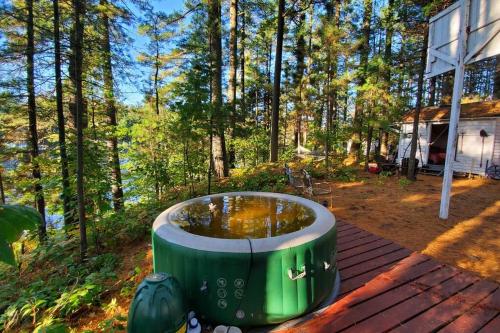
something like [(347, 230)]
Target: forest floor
[(390, 207)]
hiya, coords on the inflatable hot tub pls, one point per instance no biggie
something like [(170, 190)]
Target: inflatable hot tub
[(248, 258)]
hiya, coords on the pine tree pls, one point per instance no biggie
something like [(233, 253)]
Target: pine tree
[(231, 86), (219, 143), (364, 51), (277, 82), (61, 122), (32, 115), (76, 63), (109, 98)]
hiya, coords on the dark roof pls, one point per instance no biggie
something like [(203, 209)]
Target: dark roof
[(467, 111)]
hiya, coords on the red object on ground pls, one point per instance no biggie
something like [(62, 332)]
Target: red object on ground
[(373, 168)]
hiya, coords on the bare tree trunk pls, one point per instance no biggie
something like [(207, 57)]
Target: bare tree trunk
[(384, 135), (2, 192), (109, 98), (76, 78), (300, 50), (432, 91), (157, 66), (30, 75), (277, 82), (369, 137), (219, 143), (242, 60), (333, 18), (267, 93), (447, 88), (231, 87), (496, 85), (68, 216), (364, 53), (416, 119)]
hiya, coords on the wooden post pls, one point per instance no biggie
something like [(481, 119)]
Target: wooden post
[(455, 109)]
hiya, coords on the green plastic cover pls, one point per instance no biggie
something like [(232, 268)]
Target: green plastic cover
[(158, 306), (243, 289)]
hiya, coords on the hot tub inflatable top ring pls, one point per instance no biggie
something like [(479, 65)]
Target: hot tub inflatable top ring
[(324, 221)]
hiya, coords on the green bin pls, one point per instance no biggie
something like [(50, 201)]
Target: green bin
[(158, 306)]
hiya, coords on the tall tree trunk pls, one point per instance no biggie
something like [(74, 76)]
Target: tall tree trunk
[(66, 195), (432, 91), (2, 192), (369, 137), (242, 60), (30, 75), (300, 50), (76, 78), (277, 82), (231, 87), (447, 88), (384, 135), (219, 143), (157, 71), (156, 36), (109, 99), (496, 85), (416, 119), (364, 53), (267, 93), (333, 19)]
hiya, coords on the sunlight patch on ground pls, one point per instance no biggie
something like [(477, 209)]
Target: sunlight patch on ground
[(353, 184), (482, 247), (415, 198)]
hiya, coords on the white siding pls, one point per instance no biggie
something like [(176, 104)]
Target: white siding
[(405, 140), (496, 148), (469, 145)]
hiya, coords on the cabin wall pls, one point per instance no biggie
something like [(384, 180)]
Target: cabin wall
[(496, 144), (469, 144)]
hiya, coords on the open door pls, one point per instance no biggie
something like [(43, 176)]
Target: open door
[(437, 145)]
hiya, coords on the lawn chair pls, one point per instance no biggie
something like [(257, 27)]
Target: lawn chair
[(389, 166), (311, 188), (294, 178)]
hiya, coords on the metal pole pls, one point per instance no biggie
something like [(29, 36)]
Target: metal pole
[(455, 109)]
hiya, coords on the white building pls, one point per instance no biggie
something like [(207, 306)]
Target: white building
[(478, 141)]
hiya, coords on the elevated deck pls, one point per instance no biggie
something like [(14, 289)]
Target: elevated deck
[(387, 288)]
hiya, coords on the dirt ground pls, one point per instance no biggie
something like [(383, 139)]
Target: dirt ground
[(408, 214)]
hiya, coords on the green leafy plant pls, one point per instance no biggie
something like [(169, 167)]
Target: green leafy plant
[(382, 177), (404, 182), (13, 221), (345, 174), (51, 325)]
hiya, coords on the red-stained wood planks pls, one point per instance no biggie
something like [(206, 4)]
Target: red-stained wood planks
[(385, 287), (492, 327), (450, 308), (477, 317)]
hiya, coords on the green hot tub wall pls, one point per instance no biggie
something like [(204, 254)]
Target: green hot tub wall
[(266, 295)]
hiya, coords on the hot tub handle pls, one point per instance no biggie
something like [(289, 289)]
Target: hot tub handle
[(297, 275), (204, 287)]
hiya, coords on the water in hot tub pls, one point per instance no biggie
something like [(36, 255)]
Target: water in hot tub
[(243, 217)]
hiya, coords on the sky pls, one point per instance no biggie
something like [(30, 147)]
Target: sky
[(131, 89)]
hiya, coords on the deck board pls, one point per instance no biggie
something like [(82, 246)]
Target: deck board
[(386, 287)]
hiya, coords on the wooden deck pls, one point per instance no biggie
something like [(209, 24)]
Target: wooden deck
[(387, 288)]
